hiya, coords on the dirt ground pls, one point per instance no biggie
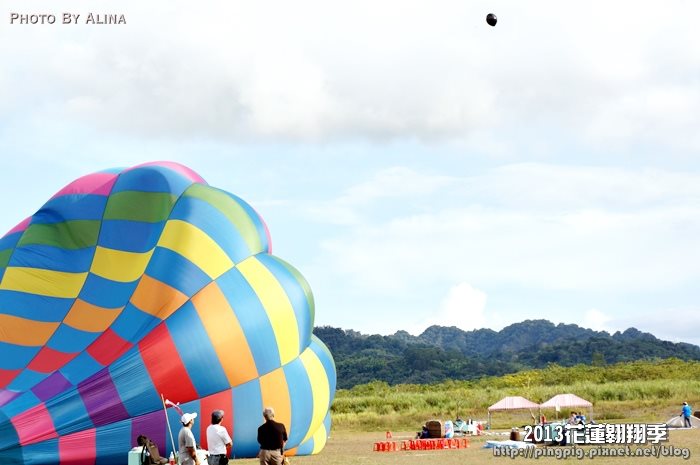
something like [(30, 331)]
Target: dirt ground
[(357, 448)]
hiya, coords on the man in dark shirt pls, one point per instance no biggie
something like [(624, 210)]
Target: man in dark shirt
[(271, 437)]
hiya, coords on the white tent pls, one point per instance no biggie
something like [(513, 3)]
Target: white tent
[(512, 403), (568, 401)]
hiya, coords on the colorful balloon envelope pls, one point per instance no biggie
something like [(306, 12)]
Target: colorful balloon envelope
[(131, 286)]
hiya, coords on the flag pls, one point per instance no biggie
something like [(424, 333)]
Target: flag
[(169, 403)]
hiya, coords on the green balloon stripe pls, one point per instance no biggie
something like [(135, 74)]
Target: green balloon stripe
[(69, 235), (149, 207)]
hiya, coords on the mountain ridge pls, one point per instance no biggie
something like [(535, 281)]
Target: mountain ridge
[(441, 352)]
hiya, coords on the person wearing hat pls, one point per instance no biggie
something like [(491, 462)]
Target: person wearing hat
[(186, 442), (218, 440), (686, 411), (271, 436)]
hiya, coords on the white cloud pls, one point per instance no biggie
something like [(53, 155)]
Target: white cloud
[(463, 307), (596, 320), (623, 236), (314, 71), (395, 184), (539, 186)]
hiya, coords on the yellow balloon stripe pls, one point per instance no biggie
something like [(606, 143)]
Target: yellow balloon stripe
[(320, 437), (118, 265), (24, 332), (87, 317), (196, 246), (277, 305), (43, 282), (274, 392), (319, 387), (226, 335)]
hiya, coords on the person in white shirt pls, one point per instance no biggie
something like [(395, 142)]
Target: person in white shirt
[(218, 440), (186, 442)]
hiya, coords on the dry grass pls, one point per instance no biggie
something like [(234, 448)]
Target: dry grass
[(356, 448)]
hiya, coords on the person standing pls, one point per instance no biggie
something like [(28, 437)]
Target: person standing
[(271, 436), (218, 440), (185, 440), (686, 411)]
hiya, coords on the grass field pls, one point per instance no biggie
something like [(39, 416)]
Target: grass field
[(637, 392), (625, 392), (356, 448)]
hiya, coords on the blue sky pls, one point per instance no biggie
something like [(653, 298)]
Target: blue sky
[(416, 165)]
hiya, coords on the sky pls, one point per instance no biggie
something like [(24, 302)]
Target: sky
[(417, 165)]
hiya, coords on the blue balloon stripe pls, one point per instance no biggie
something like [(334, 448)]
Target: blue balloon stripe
[(247, 417), (69, 340), (53, 258), (26, 380), (15, 357), (301, 397), (176, 271), (41, 453), (9, 241), (109, 441), (152, 178), (80, 368), (34, 306), (306, 448), (71, 207), (105, 292), (253, 320), (133, 324), (8, 437), (130, 236), (327, 422), (196, 351), (69, 413), (20, 404), (137, 397)]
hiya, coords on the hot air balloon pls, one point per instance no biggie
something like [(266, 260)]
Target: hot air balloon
[(491, 19), (130, 286)]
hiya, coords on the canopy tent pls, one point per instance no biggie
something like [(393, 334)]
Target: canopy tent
[(512, 403), (568, 401)]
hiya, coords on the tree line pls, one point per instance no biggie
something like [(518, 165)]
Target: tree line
[(444, 353)]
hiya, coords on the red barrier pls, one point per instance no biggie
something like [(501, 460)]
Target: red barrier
[(421, 444)]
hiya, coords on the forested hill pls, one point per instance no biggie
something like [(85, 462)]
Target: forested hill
[(441, 353)]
